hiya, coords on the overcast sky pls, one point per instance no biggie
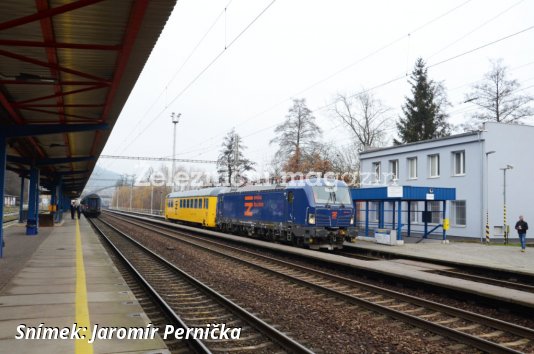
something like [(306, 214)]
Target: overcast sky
[(305, 49)]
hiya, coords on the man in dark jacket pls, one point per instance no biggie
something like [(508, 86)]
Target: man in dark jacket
[(521, 226), (72, 209)]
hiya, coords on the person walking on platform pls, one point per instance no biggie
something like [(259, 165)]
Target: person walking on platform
[(72, 209), (521, 226)]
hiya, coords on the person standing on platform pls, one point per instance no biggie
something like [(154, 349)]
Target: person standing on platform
[(521, 226), (72, 209), (78, 210)]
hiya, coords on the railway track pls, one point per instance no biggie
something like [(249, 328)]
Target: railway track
[(195, 305), (487, 280), (155, 309), (478, 276), (484, 333)]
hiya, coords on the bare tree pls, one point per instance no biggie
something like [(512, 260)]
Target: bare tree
[(498, 98), (365, 116), (297, 135)]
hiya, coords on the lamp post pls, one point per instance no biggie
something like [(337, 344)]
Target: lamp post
[(175, 120), (161, 202), (505, 226), (151, 199), (487, 197), (131, 188)]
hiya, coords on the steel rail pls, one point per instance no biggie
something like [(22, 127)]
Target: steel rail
[(194, 343), (272, 333)]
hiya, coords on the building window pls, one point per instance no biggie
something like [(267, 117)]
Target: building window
[(394, 169), (459, 163), (376, 171), (433, 165), (435, 208), (414, 212), (458, 213), (373, 211), (412, 168)]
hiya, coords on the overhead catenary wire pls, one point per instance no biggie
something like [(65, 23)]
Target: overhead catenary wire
[(403, 76), (476, 29), (357, 61), (481, 47), (201, 72), (380, 49), (179, 70), (398, 78)]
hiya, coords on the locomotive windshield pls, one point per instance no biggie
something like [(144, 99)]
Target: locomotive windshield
[(325, 195)]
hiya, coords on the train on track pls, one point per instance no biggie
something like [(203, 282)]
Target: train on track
[(91, 205), (316, 214)]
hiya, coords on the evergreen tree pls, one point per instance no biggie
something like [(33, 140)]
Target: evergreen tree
[(424, 115), (231, 162)]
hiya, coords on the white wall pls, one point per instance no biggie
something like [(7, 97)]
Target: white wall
[(513, 145)]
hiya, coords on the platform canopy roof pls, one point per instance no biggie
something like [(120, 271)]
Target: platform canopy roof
[(66, 70), (403, 193)]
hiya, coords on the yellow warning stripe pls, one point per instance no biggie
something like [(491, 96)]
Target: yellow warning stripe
[(82, 308)]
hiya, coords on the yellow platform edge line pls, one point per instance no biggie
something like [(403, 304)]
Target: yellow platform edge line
[(82, 346)]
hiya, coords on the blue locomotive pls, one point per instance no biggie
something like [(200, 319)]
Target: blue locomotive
[(318, 213)]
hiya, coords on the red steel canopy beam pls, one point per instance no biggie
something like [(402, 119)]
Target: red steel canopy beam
[(55, 113), (49, 65), (26, 106), (137, 14), (19, 120), (48, 13), (49, 36), (48, 44), (52, 82), (22, 103)]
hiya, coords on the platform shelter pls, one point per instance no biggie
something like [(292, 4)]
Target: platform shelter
[(67, 69), (406, 209)]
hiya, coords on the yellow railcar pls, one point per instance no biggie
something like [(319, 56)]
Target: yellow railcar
[(197, 207)]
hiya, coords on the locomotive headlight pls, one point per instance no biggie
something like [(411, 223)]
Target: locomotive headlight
[(311, 219), (352, 220)]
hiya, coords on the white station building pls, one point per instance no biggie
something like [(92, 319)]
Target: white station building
[(476, 164)]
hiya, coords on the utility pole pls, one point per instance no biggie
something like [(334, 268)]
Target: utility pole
[(175, 120), (131, 190), (505, 226), (487, 198), (151, 198)]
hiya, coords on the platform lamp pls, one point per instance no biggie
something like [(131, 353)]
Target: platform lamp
[(487, 197), (175, 119), (505, 226)]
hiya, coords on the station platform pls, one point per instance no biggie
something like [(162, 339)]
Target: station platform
[(63, 277), (493, 256)]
